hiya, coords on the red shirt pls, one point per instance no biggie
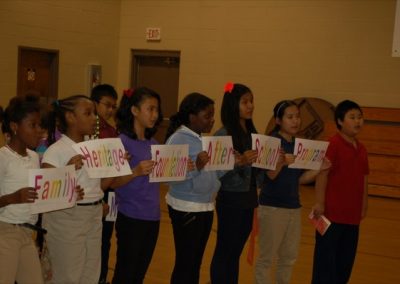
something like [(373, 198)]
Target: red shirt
[(345, 187), (106, 130)]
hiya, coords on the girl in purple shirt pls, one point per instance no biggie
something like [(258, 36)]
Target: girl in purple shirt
[(138, 218)]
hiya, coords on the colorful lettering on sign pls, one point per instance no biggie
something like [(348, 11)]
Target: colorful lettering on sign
[(173, 166), (53, 189), (314, 155), (266, 154), (113, 206), (103, 157), (219, 155)]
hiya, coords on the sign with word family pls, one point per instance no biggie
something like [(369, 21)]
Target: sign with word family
[(221, 153), (268, 148), (171, 162), (309, 154), (112, 207), (55, 188), (103, 157)]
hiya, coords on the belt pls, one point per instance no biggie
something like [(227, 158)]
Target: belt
[(90, 203), (32, 227)]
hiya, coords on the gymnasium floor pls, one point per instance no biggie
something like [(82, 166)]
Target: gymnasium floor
[(377, 261)]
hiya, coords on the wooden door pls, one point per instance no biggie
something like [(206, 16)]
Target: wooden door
[(159, 71), (37, 73)]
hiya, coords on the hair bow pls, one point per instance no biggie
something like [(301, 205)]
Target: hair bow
[(128, 93), (228, 87)]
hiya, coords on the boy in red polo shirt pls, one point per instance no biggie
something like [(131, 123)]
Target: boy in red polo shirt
[(342, 196)]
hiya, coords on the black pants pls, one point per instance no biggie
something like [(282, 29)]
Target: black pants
[(106, 234), (136, 240), (234, 227), (334, 254), (108, 228), (191, 232)]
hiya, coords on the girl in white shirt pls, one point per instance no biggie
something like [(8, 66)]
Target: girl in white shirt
[(19, 260), (74, 234)]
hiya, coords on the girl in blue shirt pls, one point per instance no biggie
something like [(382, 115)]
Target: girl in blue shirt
[(191, 202)]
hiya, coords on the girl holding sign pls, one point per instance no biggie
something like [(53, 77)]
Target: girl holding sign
[(19, 260), (191, 202), (238, 195), (74, 234), (138, 218), (280, 209)]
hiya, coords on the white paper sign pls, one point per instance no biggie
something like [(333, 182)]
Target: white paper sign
[(171, 162), (268, 148), (221, 153), (309, 154), (113, 208), (55, 188), (103, 157)]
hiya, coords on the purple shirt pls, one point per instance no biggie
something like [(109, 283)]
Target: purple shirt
[(139, 199)]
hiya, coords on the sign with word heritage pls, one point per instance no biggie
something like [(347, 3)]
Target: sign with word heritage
[(112, 207), (170, 162), (55, 188), (309, 154), (221, 153), (103, 157), (268, 149)]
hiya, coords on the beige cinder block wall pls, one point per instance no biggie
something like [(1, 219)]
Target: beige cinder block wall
[(281, 49), (84, 32), (333, 50)]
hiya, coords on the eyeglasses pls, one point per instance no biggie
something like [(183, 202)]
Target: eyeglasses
[(108, 105)]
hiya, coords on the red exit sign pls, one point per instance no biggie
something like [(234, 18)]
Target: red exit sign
[(153, 33)]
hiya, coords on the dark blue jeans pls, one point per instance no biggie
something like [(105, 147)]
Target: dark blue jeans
[(234, 227), (334, 254)]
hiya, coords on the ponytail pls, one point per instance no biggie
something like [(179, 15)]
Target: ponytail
[(57, 116), (193, 103), (175, 121), (52, 123)]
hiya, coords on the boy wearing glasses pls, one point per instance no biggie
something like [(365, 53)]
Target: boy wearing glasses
[(105, 99)]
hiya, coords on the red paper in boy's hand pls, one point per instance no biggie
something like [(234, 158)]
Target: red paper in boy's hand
[(321, 223)]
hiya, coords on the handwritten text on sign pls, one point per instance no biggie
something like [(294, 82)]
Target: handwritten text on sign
[(268, 148), (103, 157), (55, 188), (171, 162), (309, 154), (113, 209), (220, 151)]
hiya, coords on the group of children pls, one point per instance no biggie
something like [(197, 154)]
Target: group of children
[(78, 241)]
